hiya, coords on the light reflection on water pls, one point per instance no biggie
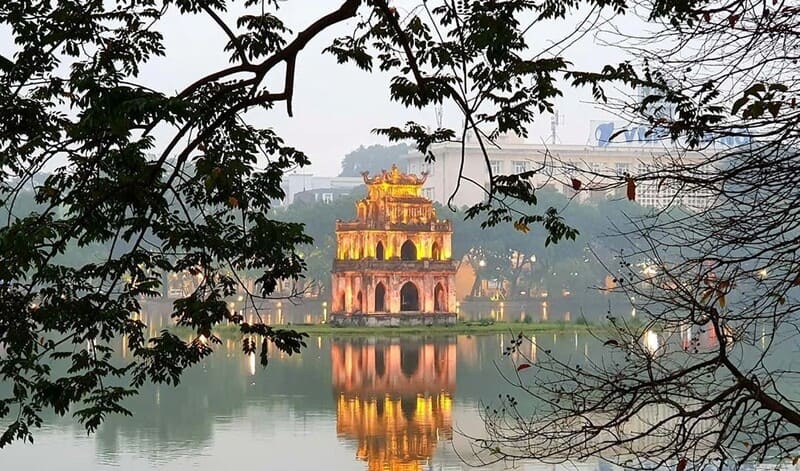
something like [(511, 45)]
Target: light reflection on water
[(313, 311), (344, 404)]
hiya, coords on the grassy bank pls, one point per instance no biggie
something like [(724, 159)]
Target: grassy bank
[(464, 328)]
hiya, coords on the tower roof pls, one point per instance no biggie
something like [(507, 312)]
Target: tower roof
[(395, 177)]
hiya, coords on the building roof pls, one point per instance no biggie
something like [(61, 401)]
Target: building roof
[(395, 177)]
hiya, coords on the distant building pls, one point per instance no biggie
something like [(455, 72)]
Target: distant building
[(296, 183), (555, 166), (393, 262), (323, 195)]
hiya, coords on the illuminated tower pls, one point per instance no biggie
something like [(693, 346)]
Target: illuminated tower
[(393, 263)]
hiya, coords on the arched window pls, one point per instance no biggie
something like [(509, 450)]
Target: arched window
[(436, 252), (408, 251), (379, 251), (409, 297), (380, 298), (439, 299), (359, 305)]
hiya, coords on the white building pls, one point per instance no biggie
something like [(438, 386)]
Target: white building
[(601, 164), (294, 183)]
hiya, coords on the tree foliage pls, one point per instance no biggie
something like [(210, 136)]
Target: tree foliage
[(319, 223), (195, 201), (72, 102), (498, 253), (707, 375), (372, 159)]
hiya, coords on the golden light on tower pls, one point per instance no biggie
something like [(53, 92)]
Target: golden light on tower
[(394, 261), (395, 400)]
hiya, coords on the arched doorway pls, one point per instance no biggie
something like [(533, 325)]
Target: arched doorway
[(380, 298), (409, 297), (379, 251), (408, 251), (359, 307), (439, 299), (436, 252)]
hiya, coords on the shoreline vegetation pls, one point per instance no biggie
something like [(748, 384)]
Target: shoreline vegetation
[(461, 328)]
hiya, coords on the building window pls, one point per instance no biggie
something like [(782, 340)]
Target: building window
[(424, 167), (622, 168), (427, 193), (520, 166), (496, 166), (413, 167), (327, 197), (408, 251)]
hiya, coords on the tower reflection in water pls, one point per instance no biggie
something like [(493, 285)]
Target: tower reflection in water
[(394, 398)]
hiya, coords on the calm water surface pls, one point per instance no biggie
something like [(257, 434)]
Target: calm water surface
[(344, 404)]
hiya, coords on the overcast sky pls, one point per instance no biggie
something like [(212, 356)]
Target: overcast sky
[(337, 106)]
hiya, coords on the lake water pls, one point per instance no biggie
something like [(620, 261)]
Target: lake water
[(343, 404), (315, 311)]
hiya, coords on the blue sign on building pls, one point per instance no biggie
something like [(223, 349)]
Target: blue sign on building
[(608, 133)]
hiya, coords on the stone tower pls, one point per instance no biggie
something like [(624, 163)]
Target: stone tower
[(393, 262)]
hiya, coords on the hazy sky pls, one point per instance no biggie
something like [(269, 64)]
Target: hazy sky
[(337, 106)]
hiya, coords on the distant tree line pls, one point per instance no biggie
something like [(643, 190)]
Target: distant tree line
[(519, 261), (373, 159)]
